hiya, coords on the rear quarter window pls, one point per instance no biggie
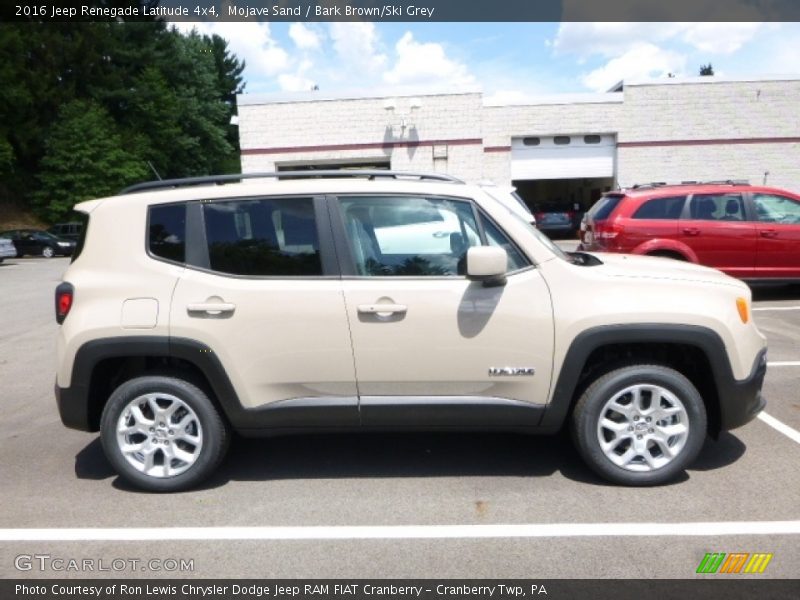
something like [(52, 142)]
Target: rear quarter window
[(669, 207), (603, 208), (167, 231), (83, 227)]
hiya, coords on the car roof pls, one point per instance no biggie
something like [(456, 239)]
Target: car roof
[(685, 189)]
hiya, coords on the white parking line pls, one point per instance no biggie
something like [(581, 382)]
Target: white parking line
[(784, 363), (776, 308), (792, 434), (395, 532)]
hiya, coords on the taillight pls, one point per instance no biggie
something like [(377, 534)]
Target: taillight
[(604, 231), (539, 216), (64, 295)]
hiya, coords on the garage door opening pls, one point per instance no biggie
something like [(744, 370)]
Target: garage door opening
[(559, 204)]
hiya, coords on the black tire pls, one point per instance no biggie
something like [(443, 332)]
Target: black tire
[(592, 406), (214, 432), (668, 254)]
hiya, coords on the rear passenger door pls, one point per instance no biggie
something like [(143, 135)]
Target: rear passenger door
[(262, 292), (715, 228)]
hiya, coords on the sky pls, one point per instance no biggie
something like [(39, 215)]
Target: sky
[(506, 61)]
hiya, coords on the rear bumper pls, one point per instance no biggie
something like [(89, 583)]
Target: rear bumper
[(741, 401), (73, 407)]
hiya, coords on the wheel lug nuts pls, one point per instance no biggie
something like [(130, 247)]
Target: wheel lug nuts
[(638, 437), (648, 419), (152, 429), (636, 417), (171, 432), (650, 431), (630, 428), (161, 424)]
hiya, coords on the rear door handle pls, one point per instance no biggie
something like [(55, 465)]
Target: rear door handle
[(691, 231), (769, 233), (379, 309), (211, 308)]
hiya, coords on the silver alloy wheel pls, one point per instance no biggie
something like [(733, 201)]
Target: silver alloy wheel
[(159, 435), (643, 428), (48, 252)]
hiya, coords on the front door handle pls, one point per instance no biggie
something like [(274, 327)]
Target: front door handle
[(381, 309), (691, 231), (211, 308), (769, 233)]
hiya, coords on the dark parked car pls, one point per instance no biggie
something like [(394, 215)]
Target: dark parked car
[(68, 231), (40, 243), (555, 218)]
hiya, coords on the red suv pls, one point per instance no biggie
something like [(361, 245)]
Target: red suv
[(746, 231)]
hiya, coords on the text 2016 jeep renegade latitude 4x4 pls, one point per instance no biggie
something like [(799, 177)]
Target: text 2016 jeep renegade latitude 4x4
[(379, 300)]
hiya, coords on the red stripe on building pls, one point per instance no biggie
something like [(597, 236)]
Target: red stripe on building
[(368, 146), (720, 142), (497, 149)]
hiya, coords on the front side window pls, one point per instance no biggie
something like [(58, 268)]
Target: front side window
[(717, 207), (409, 236), (264, 237), (772, 208), (167, 231), (495, 237), (661, 208)]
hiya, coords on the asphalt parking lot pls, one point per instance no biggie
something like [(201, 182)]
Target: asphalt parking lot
[(368, 506)]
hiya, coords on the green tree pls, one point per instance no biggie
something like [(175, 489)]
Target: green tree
[(706, 70), (85, 157)]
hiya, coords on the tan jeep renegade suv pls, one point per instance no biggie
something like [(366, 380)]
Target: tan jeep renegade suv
[(378, 300)]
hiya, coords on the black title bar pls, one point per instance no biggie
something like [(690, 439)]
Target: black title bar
[(402, 10)]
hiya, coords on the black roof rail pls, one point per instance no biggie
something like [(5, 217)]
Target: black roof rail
[(306, 174), (653, 184)]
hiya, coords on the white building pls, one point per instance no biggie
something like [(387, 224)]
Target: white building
[(565, 148)]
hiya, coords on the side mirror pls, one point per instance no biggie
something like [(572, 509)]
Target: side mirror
[(487, 264)]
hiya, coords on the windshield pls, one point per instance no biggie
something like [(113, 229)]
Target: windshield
[(43, 235)]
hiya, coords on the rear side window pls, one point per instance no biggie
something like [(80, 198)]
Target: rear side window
[(661, 208), (266, 237), (167, 231), (603, 208)]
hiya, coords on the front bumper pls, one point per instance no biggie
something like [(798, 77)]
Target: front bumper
[(741, 401)]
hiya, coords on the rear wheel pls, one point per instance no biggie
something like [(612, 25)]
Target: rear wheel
[(162, 433), (639, 424)]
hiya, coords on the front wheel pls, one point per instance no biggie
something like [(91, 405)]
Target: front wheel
[(48, 252), (162, 434), (640, 424)]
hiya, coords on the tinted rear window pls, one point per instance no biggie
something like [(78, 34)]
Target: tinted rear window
[(167, 231), (661, 208), (604, 207)]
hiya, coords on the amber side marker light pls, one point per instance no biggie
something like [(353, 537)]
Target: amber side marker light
[(744, 312)]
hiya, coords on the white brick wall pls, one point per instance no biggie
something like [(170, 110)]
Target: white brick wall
[(672, 111)]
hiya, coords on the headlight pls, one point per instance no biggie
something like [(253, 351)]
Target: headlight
[(64, 244)]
